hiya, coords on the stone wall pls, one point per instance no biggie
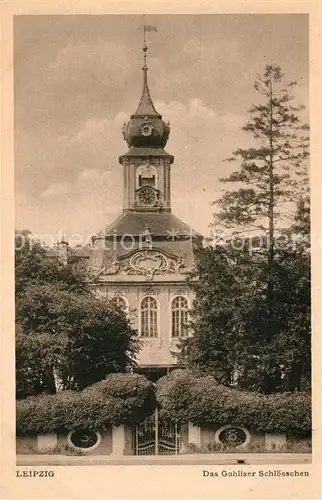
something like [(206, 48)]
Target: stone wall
[(210, 433), (117, 441)]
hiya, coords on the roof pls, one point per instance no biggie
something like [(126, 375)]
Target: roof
[(146, 106), (156, 151), (80, 252), (52, 252), (160, 224), (72, 252), (104, 252)]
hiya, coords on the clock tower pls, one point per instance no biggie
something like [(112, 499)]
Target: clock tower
[(144, 257), (146, 165)]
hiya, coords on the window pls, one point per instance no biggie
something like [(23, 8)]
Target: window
[(149, 317), (84, 439), (179, 317), (121, 303), (145, 181), (232, 436), (146, 175)]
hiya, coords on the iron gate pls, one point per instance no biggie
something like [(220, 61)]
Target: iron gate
[(156, 436)]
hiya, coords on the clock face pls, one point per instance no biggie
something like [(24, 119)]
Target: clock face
[(146, 130), (147, 196)]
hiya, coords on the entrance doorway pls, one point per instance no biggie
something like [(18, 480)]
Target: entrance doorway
[(156, 436)]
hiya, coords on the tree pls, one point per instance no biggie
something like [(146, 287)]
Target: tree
[(33, 266), (224, 300), (273, 172), (251, 317), (65, 334), (229, 317)]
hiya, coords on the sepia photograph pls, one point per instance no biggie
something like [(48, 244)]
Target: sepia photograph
[(162, 241)]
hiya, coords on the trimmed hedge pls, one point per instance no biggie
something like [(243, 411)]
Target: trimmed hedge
[(185, 396), (182, 396), (119, 399)]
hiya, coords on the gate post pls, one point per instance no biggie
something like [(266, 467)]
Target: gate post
[(118, 440), (194, 434), (46, 441), (156, 415), (274, 440)]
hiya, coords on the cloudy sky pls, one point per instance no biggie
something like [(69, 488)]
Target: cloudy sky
[(78, 78)]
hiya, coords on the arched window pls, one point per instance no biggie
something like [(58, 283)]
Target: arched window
[(179, 317), (149, 317), (146, 175), (120, 302)]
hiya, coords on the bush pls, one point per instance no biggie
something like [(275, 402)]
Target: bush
[(182, 396), (57, 450), (119, 399), (300, 447), (186, 396)]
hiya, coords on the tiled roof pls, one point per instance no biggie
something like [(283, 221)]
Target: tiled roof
[(162, 224)]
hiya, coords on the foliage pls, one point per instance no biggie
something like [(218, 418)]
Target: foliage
[(66, 450), (187, 396), (225, 294), (119, 399), (67, 338), (231, 336), (303, 446), (33, 266), (273, 171), (183, 395), (251, 319)]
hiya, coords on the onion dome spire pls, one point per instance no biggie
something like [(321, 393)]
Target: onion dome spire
[(146, 127), (146, 106)]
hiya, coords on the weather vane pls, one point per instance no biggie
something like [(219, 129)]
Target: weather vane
[(146, 28)]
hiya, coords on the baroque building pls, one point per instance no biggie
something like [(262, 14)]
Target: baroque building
[(144, 257), (142, 260)]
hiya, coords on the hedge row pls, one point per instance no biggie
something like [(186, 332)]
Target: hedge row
[(119, 399), (182, 396), (200, 400)]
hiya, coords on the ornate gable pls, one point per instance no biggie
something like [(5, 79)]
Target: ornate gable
[(146, 263)]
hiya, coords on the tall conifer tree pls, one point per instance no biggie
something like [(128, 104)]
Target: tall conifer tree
[(251, 316)]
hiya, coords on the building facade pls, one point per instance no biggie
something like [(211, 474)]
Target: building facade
[(144, 257), (142, 261)]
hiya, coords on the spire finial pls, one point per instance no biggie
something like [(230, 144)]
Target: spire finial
[(146, 28), (146, 107), (145, 49)]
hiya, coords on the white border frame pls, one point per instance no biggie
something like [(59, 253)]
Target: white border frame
[(84, 450)]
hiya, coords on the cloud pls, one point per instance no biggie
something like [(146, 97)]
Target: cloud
[(195, 113), (79, 170), (91, 59), (78, 78), (85, 183), (81, 207), (59, 158), (55, 190), (196, 127)]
